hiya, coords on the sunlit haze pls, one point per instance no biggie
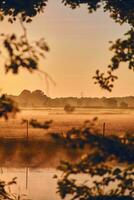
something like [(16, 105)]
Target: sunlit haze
[(79, 44)]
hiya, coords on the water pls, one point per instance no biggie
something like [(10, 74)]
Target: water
[(37, 184), (34, 164)]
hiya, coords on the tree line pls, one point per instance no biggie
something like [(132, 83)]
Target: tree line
[(38, 99)]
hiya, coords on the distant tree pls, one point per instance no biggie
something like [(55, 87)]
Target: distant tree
[(38, 93), (25, 94), (69, 109), (110, 103), (38, 98), (123, 105)]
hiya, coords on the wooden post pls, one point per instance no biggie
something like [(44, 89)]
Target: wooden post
[(103, 133), (125, 140), (27, 170), (27, 134), (104, 127)]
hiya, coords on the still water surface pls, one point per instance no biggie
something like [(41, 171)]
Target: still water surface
[(37, 184)]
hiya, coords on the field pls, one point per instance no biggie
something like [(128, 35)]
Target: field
[(118, 121)]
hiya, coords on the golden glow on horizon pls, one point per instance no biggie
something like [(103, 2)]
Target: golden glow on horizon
[(78, 46)]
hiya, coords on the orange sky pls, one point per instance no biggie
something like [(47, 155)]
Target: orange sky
[(78, 46)]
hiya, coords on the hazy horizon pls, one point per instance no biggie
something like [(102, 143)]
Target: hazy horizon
[(71, 96)]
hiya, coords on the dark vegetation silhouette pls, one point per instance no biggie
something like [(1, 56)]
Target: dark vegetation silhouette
[(122, 12), (22, 54), (37, 99), (6, 193), (7, 107), (105, 172), (45, 125)]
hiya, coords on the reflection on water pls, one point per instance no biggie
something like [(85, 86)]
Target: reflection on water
[(37, 184), (34, 164), (34, 153)]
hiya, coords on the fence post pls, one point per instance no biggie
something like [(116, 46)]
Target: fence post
[(27, 134), (104, 128), (27, 174)]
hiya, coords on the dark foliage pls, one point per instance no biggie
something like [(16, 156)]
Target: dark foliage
[(22, 54), (106, 147), (45, 125), (23, 8), (5, 192), (7, 107), (108, 166), (105, 81), (99, 188), (123, 53), (120, 10)]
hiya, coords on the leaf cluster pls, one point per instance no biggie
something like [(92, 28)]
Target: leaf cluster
[(45, 125), (108, 166), (22, 54), (26, 9), (7, 107), (121, 11), (101, 186)]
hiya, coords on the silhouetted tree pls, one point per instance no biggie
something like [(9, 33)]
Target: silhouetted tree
[(7, 107), (25, 94)]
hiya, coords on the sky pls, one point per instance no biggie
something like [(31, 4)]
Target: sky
[(79, 44)]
